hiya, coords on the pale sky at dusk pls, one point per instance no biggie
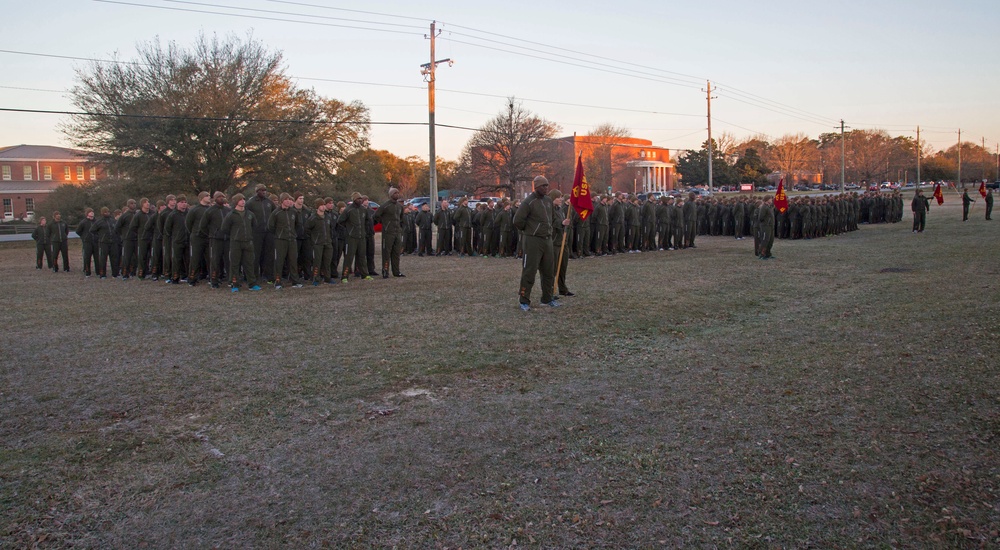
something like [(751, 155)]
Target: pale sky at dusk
[(780, 67)]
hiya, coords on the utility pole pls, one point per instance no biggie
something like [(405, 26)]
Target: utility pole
[(843, 155), (918, 157), (959, 182), (428, 70), (709, 92), (984, 163)]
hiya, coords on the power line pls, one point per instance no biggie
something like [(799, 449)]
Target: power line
[(775, 111), (32, 89), (304, 4), (224, 119), (660, 80), (383, 84), (275, 12), (260, 17), (653, 76), (694, 79)]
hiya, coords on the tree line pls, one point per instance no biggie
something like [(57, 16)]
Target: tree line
[(223, 116)]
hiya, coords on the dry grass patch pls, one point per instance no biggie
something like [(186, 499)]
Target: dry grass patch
[(842, 395)]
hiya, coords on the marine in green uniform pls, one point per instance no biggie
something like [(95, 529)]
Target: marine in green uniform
[(283, 225), (353, 220), (41, 236), (390, 215), (238, 226), (561, 228), (534, 219)]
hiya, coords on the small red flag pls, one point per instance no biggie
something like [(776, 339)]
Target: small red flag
[(780, 198), (938, 194), (982, 189), (580, 197)]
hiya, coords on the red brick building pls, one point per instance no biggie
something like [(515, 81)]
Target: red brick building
[(29, 173), (636, 165)]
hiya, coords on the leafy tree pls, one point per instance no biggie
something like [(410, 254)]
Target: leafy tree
[(693, 167), (446, 170), (750, 168), (509, 147), (220, 116)]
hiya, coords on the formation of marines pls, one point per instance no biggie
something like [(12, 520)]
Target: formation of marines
[(278, 239), (269, 238)]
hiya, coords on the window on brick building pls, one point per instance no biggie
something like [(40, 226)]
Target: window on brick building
[(8, 207), (27, 173), (79, 173), (6, 173), (93, 173), (29, 204), (47, 173), (67, 175)]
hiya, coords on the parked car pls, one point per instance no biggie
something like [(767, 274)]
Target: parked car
[(418, 201), (801, 187)]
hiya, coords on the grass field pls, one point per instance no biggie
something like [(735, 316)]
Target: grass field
[(842, 395)]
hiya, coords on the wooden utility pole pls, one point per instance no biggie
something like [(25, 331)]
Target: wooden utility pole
[(709, 92), (959, 181), (429, 70)]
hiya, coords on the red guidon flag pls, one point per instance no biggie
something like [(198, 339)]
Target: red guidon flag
[(580, 198), (780, 198), (938, 194), (982, 189)]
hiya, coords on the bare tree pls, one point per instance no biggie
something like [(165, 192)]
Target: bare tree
[(605, 160), (793, 154), (510, 146)]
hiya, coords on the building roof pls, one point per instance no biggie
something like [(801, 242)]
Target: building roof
[(41, 152)]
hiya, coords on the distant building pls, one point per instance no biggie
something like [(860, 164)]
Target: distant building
[(636, 165), (29, 173)]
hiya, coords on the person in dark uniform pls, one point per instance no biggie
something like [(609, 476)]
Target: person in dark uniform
[(353, 220), (129, 240), (390, 216), (369, 235), (989, 203), (463, 228), (218, 241), (58, 237), (155, 224), (103, 229), (41, 236), (534, 220), (920, 205), (424, 222), (442, 219), (179, 241), (966, 203), (317, 231), (199, 256), (239, 227), (561, 225), (690, 220), (766, 223), (144, 237), (283, 225), (85, 230), (261, 207)]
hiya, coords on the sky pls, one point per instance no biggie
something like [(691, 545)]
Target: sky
[(777, 67)]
